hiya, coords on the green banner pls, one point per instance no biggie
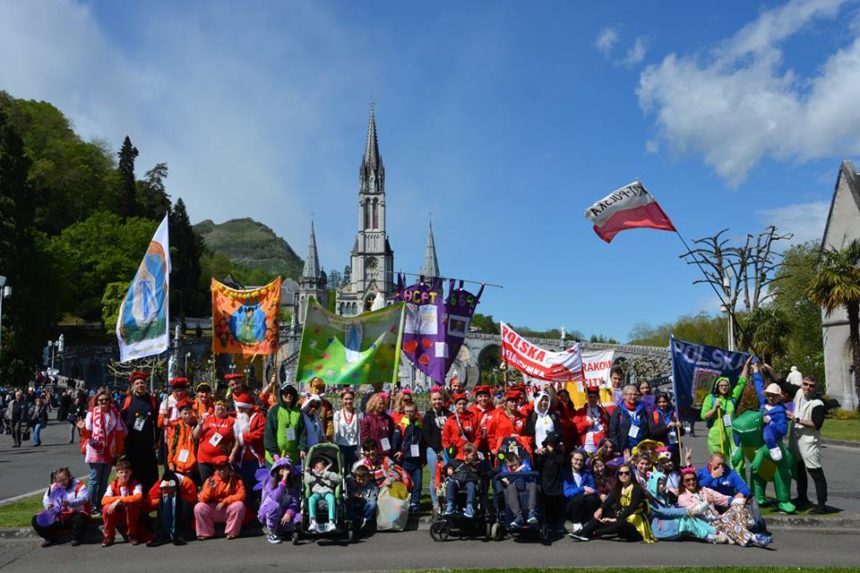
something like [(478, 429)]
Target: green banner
[(362, 349)]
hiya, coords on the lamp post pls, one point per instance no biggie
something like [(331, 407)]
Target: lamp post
[(5, 291), (727, 283)]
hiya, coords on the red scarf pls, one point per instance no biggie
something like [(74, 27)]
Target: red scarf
[(98, 437)]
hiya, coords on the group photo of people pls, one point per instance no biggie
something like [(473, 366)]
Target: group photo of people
[(294, 463)]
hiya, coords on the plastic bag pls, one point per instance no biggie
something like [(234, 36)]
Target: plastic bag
[(392, 512)]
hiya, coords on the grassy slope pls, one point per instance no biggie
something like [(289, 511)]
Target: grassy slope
[(253, 245), (841, 430)]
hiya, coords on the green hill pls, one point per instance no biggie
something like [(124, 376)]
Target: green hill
[(251, 245)]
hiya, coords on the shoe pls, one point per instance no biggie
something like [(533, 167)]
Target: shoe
[(362, 524), (273, 539), (313, 527), (107, 541), (775, 454), (517, 522), (231, 537), (75, 542), (801, 503), (202, 538), (576, 527), (133, 541), (720, 538), (449, 510), (759, 540), (178, 541), (414, 507), (819, 510), (578, 537), (469, 512), (156, 542), (47, 543), (532, 520)]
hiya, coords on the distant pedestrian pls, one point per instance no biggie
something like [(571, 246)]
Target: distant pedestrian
[(38, 420), (17, 411)]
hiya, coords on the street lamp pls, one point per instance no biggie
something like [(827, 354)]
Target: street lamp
[(727, 283), (5, 291)]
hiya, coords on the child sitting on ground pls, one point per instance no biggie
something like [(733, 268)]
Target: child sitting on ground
[(362, 493), (322, 482), (465, 473), (514, 484), (121, 504), (279, 509)]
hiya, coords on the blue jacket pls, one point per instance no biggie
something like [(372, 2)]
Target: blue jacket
[(778, 420), (514, 477), (570, 488), (729, 484)]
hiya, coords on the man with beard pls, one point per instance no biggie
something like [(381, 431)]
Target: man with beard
[(249, 429), (140, 415)]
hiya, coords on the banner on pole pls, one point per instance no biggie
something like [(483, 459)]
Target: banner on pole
[(142, 328), (537, 362), (596, 365), (245, 321), (363, 349), (695, 367), (460, 306)]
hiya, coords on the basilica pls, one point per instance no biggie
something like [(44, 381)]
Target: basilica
[(371, 266)]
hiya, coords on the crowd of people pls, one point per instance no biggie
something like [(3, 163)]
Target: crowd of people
[(610, 470)]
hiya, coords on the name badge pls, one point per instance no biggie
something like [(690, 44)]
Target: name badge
[(215, 439), (183, 456), (414, 451), (384, 444), (138, 424), (291, 434), (633, 432), (727, 421)]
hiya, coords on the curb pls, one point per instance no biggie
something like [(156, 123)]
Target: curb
[(843, 443)]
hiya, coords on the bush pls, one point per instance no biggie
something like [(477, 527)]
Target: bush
[(840, 414)]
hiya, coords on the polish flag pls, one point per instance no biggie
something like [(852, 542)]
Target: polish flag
[(630, 207)]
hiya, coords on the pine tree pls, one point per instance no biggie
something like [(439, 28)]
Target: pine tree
[(186, 248), (127, 184)]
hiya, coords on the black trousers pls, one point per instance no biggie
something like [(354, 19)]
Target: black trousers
[(17, 432), (803, 484), (553, 510), (76, 522), (144, 467), (622, 528), (581, 508)]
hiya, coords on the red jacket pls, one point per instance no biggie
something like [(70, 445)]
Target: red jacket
[(379, 428), (501, 426), (483, 418), (587, 432), (251, 441), (459, 429)]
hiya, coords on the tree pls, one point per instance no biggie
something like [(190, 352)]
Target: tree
[(837, 285), (111, 302), (186, 248), (766, 330), (152, 198), (127, 183), (699, 328)]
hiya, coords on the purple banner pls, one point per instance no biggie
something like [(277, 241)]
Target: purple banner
[(460, 305), (423, 327)]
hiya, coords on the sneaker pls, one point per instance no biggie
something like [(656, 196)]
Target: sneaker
[(449, 510), (75, 542), (517, 522), (576, 528), (532, 520), (578, 537), (362, 524), (47, 543), (414, 507), (330, 526), (760, 540), (273, 539), (313, 527), (469, 512), (775, 454)]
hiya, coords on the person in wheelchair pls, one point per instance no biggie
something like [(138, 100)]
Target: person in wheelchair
[(322, 482), (468, 473), (513, 484)]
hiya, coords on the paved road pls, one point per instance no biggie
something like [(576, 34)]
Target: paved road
[(415, 549)]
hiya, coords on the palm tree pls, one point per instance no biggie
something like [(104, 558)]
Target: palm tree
[(766, 331), (837, 284)]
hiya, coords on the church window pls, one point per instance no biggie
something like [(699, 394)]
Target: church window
[(375, 214)]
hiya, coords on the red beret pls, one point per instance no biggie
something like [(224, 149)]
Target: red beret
[(138, 375), (457, 397), (512, 395), (184, 403), (234, 376), (179, 382), (483, 390), (593, 389)]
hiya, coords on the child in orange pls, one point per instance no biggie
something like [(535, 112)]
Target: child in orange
[(121, 504), (221, 501)]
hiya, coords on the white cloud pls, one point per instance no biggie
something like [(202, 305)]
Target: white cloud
[(740, 104), (635, 53), (804, 220), (652, 146), (606, 40)]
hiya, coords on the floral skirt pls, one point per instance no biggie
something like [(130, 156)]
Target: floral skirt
[(735, 523)]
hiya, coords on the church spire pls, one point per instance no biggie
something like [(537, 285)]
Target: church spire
[(430, 268), (372, 172), (312, 263)]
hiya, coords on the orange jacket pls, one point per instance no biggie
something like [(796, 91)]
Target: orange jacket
[(483, 417), (128, 494), (216, 490), (458, 433), (180, 439), (187, 491)]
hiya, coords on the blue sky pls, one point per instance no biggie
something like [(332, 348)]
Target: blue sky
[(504, 119)]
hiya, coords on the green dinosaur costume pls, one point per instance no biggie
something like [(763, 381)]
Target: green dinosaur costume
[(748, 429)]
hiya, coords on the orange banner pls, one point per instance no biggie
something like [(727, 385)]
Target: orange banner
[(245, 321)]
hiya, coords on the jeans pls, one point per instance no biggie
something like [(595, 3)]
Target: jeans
[(416, 472), (454, 487), (432, 460), (73, 431), (350, 456), (99, 474), (314, 499), (36, 438), (363, 509)]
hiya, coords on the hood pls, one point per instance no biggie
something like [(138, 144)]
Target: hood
[(281, 462), (717, 381), (292, 390), (540, 397)]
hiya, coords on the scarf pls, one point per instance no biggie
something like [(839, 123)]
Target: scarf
[(98, 437), (543, 424)]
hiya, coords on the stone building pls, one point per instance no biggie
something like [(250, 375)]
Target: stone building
[(843, 227)]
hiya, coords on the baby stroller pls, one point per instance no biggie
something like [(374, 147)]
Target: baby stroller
[(517, 445), (333, 457), (443, 526)]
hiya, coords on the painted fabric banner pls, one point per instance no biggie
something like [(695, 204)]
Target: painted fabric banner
[(630, 207), (245, 321), (424, 327), (537, 362), (142, 328), (694, 369), (596, 364), (362, 349), (460, 306)]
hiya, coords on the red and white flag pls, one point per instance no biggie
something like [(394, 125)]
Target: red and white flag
[(630, 207), (537, 362)]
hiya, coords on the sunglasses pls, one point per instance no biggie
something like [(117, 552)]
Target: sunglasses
[(690, 480), (624, 473)]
